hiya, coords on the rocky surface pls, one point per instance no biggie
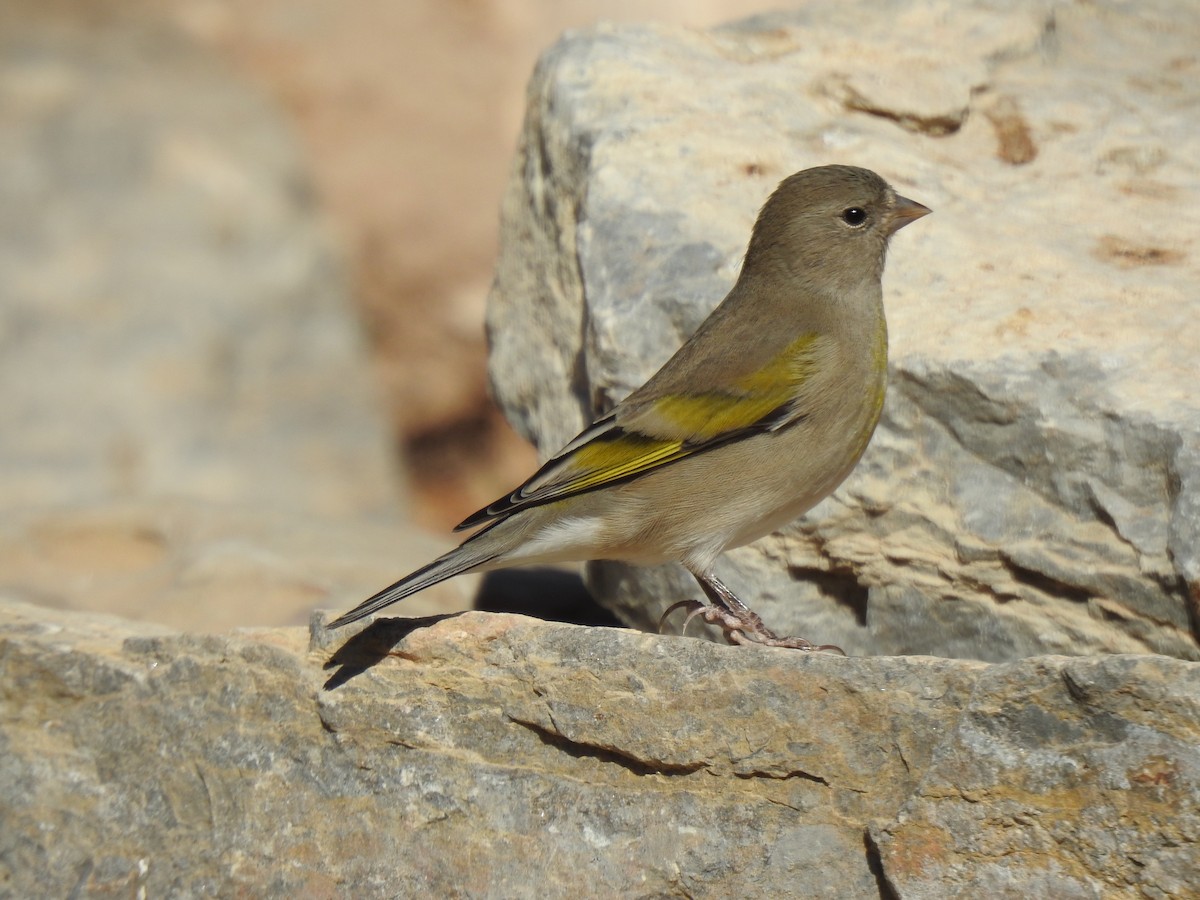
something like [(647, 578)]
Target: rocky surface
[(1034, 486), (1060, 779), (497, 756)]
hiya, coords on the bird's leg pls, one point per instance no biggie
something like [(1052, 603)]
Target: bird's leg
[(727, 611), (741, 624)]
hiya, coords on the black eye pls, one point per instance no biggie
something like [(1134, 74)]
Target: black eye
[(854, 216)]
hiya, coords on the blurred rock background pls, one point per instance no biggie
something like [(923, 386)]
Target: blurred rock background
[(409, 114), (244, 253)]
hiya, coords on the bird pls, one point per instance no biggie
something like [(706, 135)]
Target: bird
[(759, 416)]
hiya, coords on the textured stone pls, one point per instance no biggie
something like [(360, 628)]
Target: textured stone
[(1035, 483), (498, 756), (1063, 778)]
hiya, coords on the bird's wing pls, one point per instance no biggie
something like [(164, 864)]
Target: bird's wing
[(647, 432)]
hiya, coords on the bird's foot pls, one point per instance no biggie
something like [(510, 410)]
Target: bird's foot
[(741, 625)]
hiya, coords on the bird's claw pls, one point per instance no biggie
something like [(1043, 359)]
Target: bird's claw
[(695, 607), (742, 627)]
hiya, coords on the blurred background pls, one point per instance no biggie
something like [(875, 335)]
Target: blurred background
[(408, 113), (245, 248)]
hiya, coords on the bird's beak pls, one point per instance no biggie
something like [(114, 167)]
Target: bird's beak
[(906, 211)]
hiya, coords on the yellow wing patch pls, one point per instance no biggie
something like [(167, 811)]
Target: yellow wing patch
[(667, 429), (602, 461), (788, 370), (698, 418)]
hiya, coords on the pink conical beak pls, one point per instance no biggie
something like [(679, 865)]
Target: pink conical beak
[(906, 211)]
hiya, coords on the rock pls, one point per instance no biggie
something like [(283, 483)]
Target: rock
[(1034, 486), (493, 755), (174, 318), (1060, 779)]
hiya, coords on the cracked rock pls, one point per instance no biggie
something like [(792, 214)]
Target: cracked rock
[(493, 755)]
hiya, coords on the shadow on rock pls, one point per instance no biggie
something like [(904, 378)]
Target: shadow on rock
[(548, 594), (366, 648)]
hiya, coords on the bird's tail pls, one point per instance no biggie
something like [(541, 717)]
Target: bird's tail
[(471, 554)]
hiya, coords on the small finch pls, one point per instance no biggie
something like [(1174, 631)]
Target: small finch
[(757, 418)]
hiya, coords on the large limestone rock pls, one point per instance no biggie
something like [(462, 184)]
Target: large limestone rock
[(498, 756), (1035, 483)]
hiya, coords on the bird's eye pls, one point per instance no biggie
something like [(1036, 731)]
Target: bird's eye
[(854, 216)]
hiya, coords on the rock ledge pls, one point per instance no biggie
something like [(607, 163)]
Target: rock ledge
[(494, 755)]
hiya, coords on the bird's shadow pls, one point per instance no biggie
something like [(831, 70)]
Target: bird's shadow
[(553, 595), (375, 642), (550, 594)]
